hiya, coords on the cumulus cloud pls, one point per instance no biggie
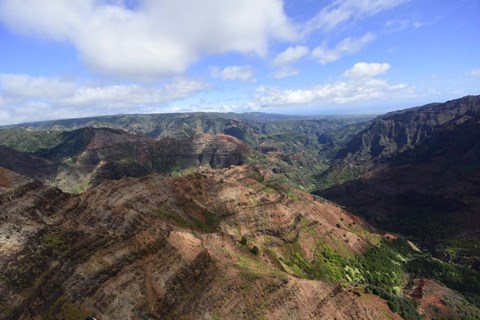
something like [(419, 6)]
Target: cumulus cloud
[(360, 86), (27, 98), (158, 37), (231, 73), (347, 46), (362, 70), (290, 55), (342, 11)]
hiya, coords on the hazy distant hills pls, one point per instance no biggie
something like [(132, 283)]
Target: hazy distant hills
[(298, 148), (156, 124)]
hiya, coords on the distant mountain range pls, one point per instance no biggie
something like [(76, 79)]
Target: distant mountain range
[(135, 145)]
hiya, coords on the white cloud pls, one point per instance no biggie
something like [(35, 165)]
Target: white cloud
[(290, 55), (362, 70), (346, 47), (475, 73), (206, 108), (24, 86), (402, 24), (27, 98), (399, 25), (285, 72), (342, 11), (231, 73), (360, 86), (159, 37)]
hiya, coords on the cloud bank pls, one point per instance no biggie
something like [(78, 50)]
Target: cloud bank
[(361, 85), (22, 96), (157, 37)]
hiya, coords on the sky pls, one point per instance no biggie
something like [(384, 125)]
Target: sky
[(79, 58)]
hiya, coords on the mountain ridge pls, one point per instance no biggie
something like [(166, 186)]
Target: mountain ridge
[(402, 173)]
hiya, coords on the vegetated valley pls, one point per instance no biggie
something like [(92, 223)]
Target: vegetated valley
[(243, 216)]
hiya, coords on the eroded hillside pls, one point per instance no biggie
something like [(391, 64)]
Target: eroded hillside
[(230, 244)]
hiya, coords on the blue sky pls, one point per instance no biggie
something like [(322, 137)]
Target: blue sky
[(77, 58)]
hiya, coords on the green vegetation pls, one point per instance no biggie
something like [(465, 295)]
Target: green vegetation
[(283, 185), (165, 164), (279, 183), (336, 174), (243, 241), (296, 262), (329, 264), (252, 268), (298, 155), (382, 271), (460, 278), (405, 307), (70, 144), (257, 157), (65, 309), (292, 195), (434, 230), (30, 140), (466, 252), (54, 243), (254, 250), (177, 171), (69, 161), (209, 224)]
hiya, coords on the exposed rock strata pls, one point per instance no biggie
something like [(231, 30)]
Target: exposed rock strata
[(159, 247)]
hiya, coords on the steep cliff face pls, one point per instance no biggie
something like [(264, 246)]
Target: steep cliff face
[(416, 172), (88, 156), (399, 131)]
